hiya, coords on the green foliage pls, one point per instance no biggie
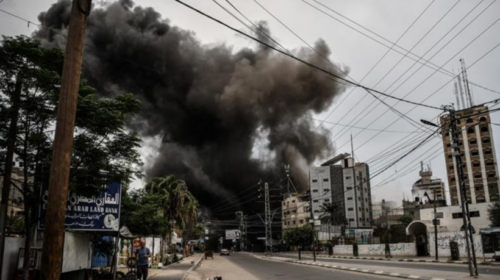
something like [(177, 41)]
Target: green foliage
[(175, 258), (301, 236), (406, 220), (494, 214), (15, 224), (141, 215)]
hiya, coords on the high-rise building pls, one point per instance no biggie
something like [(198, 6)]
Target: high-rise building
[(478, 156), (346, 185)]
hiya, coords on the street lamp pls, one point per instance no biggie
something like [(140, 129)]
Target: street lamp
[(465, 207)]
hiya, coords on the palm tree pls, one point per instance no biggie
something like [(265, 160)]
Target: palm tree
[(179, 207), (329, 211)]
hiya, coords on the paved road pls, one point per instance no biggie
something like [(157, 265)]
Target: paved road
[(483, 269), (274, 270)]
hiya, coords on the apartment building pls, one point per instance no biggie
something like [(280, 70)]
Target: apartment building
[(346, 184), (296, 211), (478, 156)]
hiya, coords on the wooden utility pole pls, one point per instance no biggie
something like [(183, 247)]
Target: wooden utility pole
[(53, 243), (11, 141)]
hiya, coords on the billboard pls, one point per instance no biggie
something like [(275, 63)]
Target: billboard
[(96, 213), (233, 234)]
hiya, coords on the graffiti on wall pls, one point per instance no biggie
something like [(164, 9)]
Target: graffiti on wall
[(459, 237)]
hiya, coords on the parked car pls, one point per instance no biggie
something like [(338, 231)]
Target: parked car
[(224, 252)]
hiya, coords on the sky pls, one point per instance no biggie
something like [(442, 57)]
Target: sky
[(441, 32)]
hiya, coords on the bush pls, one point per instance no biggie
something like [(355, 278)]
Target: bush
[(166, 261), (175, 258)]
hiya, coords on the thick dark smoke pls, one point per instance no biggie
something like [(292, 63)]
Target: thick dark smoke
[(226, 118)]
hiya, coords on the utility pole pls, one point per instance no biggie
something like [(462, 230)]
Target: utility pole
[(435, 226), (267, 208), (239, 215), (287, 170), (465, 208), (52, 253), (9, 158)]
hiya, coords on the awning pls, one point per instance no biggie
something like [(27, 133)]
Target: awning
[(490, 230), (413, 226)]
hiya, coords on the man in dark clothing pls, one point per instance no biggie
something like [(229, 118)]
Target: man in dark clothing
[(142, 254)]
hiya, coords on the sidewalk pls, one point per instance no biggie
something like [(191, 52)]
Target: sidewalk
[(177, 271), (398, 259), (403, 272)]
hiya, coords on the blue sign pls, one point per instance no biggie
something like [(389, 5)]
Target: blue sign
[(96, 213)]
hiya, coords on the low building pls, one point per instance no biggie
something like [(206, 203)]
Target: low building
[(296, 211)]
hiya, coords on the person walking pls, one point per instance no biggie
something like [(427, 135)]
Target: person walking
[(142, 254)]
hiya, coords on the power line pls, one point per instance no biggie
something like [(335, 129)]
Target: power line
[(290, 55), (371, 110), (403, 156), (424, 61)]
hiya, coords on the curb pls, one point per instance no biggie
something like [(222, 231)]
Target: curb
[(401, 260), (197, 263), (353, 269)]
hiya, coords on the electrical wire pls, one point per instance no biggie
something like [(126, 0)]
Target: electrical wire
[(290, 55), (424, 61)]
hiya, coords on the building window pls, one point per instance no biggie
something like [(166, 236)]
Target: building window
[(473, 141), (348, 177), (475, 214), (360, 219), (294, 211), (474, 153), (325, 180), (351, 220), (326, 190), (482, 119), (293, 201), (470, 130), (316, 211), (301, 221), (457, 215), (349, 198), (486, 140), (487, 152), (315, 200), (350, 209), (315, 190), (327, 200), (315, 181), (476, 164), (349, 188), (484, 129), (294, 222), (477, 176)]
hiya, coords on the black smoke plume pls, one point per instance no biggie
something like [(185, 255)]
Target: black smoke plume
[(225, 118)]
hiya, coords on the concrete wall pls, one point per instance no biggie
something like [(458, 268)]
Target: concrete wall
[(444, 239), (398, 249), (450, 224), (11, 253)]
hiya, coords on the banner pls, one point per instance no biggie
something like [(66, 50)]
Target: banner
[(233, 234), (101, 213)]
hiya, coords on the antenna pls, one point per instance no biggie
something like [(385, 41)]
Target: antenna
[(352, 151), (455, 90), (464, 105), (466, 83)]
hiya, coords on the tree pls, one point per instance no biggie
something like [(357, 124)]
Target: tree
[(406, 220), (101, 144), (170, 206), (494, 214), (332, 215), (302, 236)]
